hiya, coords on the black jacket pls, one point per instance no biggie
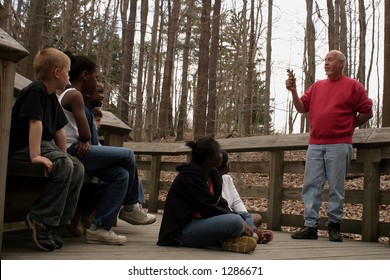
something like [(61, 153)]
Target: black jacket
[(189, 194)]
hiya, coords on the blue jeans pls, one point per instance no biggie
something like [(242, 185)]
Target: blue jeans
[(116, 167), (248, 219), (325, 162), (211, 231), (57, 203)]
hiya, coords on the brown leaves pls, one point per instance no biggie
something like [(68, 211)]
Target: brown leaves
[(291, 76)]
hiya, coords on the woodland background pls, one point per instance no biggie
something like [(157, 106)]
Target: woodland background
[(183, 69)]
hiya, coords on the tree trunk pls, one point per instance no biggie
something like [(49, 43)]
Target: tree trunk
[(331, 25), (268, 71), (128, 34), (386, 69), (362, 43), (213, 62), (200, 102), (149, 83), (182, 119), (139, 97), (33, 38), (343, 34), (164, 129), (5, 16), (310, 71)]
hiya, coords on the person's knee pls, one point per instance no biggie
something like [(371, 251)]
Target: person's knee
[(235, 223), (121, 174), (62, 166), (78, 169)]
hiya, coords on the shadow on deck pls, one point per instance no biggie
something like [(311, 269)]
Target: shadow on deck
[(141, 245)]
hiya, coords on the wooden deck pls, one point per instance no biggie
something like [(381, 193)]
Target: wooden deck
[(141, 245)]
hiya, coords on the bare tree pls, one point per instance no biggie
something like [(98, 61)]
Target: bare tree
[(200, 101), (150, 77), (268, 70), (343, 33), (213, 62), (248, 102), (139, 97), (128, 35), (5, 16), (362, 43), (331, 25), (33, 36), (310, 64), (386, 69), (164, 128), (184, 94)]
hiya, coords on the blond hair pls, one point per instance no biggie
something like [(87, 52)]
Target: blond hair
[(47, 60)]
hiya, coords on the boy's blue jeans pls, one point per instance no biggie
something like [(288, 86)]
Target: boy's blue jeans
[(116, 167), (325, 162), (211, 231), (58, 201)]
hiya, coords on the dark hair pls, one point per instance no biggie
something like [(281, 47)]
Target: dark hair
[(203, 149), (78, 64), (225, 158)]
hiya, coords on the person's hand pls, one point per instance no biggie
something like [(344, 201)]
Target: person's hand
[(290, 85), (291, 81), (82, 148), (44, 161), (247, 230)]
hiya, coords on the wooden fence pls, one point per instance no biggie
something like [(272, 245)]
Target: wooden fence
[(371, 160)]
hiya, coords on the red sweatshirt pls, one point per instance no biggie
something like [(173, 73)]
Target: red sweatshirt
[(333, 106)]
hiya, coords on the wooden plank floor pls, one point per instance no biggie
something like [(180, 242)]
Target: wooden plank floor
[(141, 245)]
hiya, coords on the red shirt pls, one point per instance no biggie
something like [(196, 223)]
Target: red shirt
[(332, 106)]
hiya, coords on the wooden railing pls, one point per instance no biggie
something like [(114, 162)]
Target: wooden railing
[(371, 160)]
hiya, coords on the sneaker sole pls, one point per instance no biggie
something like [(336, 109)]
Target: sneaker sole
[(137, 223), (34, 234), (107, 242), (304, 237), (242, 244)]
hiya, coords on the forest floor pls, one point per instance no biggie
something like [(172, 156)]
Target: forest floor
[(351, 211)]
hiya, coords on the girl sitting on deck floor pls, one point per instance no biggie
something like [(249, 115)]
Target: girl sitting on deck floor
[(195, 214)]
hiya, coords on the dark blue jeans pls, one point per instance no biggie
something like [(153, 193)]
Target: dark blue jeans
[(116, 167)]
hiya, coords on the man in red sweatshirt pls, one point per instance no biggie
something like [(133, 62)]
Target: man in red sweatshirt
[(335, 106)]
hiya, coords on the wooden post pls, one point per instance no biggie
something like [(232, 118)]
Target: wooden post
[(275, 193), (10, 53), (371, 159), (155, 169)]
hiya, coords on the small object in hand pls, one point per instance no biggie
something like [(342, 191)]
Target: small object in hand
[(291, 76)]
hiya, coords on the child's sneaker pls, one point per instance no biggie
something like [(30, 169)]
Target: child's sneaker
[(55, 233), (42, 237), (137, 216), (102, 235)]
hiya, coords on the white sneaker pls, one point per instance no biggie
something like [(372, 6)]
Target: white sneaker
[(137, 217), (102, 235)]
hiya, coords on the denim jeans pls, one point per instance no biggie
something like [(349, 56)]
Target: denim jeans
[(116, 167), (248, 219), (325, 162), (211, 231), (58, 200)]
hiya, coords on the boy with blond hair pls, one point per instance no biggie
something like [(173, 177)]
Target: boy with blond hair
[(38, 136)]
